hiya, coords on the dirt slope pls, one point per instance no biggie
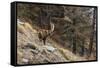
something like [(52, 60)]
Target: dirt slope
[(30, 50)]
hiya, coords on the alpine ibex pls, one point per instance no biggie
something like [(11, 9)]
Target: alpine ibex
[(43, 33)]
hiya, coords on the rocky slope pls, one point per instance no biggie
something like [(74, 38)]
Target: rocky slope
[(30, 50)]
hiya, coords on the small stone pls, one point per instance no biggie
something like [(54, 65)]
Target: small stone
[(25, 60), (34, 51), (50, 48)]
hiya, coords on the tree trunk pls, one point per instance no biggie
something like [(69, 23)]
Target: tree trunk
[(74, 42), (74, 45), (92, 35), (82, 48), (74, 37)]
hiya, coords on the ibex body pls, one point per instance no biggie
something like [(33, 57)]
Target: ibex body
[(43, 33)]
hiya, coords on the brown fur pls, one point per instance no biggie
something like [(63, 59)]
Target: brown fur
[(43, 33)]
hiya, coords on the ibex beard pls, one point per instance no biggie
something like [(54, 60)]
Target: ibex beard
[(43, 33)]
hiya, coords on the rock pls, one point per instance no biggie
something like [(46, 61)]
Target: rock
[(34, 51), (18, 20), (31, 46), (25, 60), (50, 48)]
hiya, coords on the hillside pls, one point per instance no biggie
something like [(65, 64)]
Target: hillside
[(30, 50)]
